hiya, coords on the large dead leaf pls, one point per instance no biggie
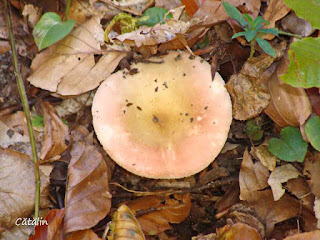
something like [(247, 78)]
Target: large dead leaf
[(248, 89), (87, 234), (136, 7), (87, 195), (281, 175), (17, 187), (315, 235), (312, 171), (160, 211), (55, 133), (52, 230), (276, 10), (125, 225), (69, 67), (238, 231), (288, 105)]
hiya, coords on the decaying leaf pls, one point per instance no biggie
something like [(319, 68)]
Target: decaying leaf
[(87, 195), (281, 175), (160, 211), (55, 133), (300, 188), (315, 235), (248, 89), (312, 171), (17, 232), (276, 10), (288, 105), (238, 231), (17, 188), (297, 25), (69, 67), (125, 225), (87, 234), (53, 230), (316, 209), (266, 158), (168, 4), (136, 7)]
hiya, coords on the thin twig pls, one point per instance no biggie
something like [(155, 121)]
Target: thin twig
[(26, 110), (67, 10)]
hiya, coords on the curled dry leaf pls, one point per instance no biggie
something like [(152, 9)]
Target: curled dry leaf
[(276, 10), (312, 171), (55, 133), (52, 230), (248, 89), (17, 188), (136, 7), (238, 231), (160, 211), (87, 195), (315, 235), (288, 105), (281, 175), (266, 158), (69, 67), (87, 234), (125, 225)]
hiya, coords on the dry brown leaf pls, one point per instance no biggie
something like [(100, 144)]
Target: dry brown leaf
[(238, 231), (168, 4), (312, 171), (125, 225), (87, 195), (288, 105), (300, 188), (281, 175), (316, 209), (314, 97), (87, 234), (252, 178), (52, 231), (69, 67), (32, 13), (17, 187), (17, 232), (158, 214), (315, 235), (248, 89), (297, 25), (157, 34), (136, 7), (191, 6), (264, 156), (55, 133), (276, 10), (4, 46)]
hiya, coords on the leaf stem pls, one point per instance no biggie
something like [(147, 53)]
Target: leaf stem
[(252, 44), (67, 10), (26, 110)]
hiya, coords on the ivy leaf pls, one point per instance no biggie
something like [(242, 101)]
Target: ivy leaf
[(313, 132), (253, 130), (50, 29), (304, 67), (266, 47), (290, 147), (308, 10), (153, 15), (234, 13)]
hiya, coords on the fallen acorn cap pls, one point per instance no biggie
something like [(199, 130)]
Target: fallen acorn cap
[(163, 120)]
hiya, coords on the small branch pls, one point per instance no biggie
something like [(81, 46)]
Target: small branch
[(25, 105), (67, 10), (252, 45)]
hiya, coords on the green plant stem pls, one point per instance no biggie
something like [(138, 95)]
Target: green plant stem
[(252, 44), (26, 110), (67, 9)]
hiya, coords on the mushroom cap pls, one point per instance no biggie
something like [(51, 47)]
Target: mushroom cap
[(164, 120)]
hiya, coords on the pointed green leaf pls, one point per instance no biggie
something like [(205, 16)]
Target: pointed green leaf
[(306, 9), (249, 35), (266, 47), (239, 34), (234, 13), (273, 31), (258, 22), (50, 29), (153, 15), (290, 147), (249, 19), (313, 132), (304, 66)]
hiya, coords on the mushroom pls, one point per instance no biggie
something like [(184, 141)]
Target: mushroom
[(167, 119)]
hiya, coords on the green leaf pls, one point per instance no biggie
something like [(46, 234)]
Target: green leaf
[(234, 13), (258, 22), (37, 121), (153, 15), (254, 131), (306, 9), (249, 35), (204, 43), (266, 47), (304, 66), (249, 19), (50, 29), (239, 34), (273, 31), (290, 147), (313, 132)]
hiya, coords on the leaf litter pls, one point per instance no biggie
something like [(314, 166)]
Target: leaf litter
[(274, 196)]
